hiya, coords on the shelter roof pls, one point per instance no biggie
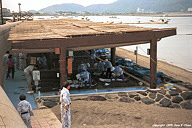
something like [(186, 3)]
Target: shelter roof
[(80, 35), (65, 28)]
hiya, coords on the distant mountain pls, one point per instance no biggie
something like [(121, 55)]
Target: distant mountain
[(123, 6), (63, 7)]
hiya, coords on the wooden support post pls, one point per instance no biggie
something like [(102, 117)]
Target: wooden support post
[(113, 56), (63, 66), (153, 64)]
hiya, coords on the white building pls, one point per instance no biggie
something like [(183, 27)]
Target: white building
[(189, 10)]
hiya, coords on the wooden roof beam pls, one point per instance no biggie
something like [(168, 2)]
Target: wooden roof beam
[(94, 40)]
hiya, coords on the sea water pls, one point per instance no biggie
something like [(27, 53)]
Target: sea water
[(176, 50)]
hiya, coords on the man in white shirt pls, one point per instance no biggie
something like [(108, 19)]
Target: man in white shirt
[(28, 75), (65, 106)]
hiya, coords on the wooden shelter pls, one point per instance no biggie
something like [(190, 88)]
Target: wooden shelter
[(71, 34)]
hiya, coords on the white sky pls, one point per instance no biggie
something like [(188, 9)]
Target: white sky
[(39, 4)]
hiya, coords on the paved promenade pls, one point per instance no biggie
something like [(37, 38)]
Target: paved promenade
[(43, 118)]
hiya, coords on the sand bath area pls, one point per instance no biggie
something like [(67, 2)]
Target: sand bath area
[(164, 108)]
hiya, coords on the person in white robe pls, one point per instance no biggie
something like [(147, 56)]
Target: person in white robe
[(65, 106), (25, 110)]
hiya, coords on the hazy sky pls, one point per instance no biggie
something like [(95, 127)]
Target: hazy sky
[(39, 4)]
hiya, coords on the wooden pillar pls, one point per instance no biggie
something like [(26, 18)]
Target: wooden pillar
[(63, 66), (113, 56), (153, 64)]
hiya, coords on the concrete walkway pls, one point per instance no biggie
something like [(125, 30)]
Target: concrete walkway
[(17, 86), (43, 118)]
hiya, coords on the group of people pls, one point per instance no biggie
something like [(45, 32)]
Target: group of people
[(12, 61), (16, 61), (107, 67)]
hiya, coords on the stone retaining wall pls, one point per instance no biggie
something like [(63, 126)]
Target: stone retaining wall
[(163, 98)]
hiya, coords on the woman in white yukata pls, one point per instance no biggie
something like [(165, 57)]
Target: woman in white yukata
[(65, 106), (25, 110)]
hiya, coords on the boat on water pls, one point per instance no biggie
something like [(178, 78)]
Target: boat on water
[(160, 21), (112, 17)]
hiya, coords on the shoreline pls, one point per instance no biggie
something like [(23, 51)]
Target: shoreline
[(168, 69)]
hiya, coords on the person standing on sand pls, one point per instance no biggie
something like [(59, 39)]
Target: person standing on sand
[(25, 110), (65, 106)]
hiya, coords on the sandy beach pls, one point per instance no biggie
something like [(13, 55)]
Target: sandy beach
[(166, 68), (114, 114)]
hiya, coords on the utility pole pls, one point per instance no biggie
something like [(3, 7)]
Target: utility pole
[(136, 52), (19, 11), (1, 12)]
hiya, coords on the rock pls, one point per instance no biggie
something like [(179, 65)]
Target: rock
[(152, 95), (159, 97), (186, 105), (137, 98), (173, 93), (133, 94), (162, 91), (49, 104), (146, 100), (125, 99), (175, 106), (111, 96), (138, 117), (168, 96), (165, 102), (143, 93), (80, 99), (122, 94), (97, 98), (187, 95), (177, 99)]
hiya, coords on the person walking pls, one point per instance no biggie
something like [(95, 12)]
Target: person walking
[(11, 67), (25, 110), (65, 106), (5, 58)]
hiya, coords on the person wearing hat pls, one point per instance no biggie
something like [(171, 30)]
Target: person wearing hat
[(65, 106), (25, 110)]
